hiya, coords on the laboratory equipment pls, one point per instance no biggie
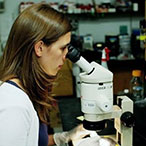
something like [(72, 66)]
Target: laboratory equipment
[(96, 90), (136, 86), (105, 57), (97, 99)]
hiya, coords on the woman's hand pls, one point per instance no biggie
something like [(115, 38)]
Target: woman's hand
[(75, 134)]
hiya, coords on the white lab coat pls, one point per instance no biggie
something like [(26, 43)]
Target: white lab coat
[(19, 124)]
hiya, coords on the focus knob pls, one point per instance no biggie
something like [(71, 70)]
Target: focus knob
[(128, 119)]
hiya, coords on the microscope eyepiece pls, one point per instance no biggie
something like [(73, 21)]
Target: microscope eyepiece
[(73, 54)]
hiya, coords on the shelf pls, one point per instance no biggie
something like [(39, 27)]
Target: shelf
[(114, 64), (95, 16), (120, 14)]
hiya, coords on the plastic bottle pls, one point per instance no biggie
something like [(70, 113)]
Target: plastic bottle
[(136, 86), (105, 57)]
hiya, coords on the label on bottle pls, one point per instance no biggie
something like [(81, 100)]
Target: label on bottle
[(135, 7), (137, 92)]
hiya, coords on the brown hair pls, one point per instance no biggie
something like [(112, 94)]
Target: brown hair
[(38, 22)]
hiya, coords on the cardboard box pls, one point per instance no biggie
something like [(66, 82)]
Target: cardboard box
[(63, 85)]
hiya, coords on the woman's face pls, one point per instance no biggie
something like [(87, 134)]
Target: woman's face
[(53, 56)]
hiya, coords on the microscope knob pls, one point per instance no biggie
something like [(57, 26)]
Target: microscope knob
[(128, 119)]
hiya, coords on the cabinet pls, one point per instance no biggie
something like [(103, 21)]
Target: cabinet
[(122, 70)]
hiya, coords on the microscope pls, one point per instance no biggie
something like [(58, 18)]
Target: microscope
[(97, 100)]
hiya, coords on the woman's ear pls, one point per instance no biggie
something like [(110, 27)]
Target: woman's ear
[(38, 47)]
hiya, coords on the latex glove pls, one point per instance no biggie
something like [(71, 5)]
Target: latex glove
[(97, 141), (93, 141), (64, 137)]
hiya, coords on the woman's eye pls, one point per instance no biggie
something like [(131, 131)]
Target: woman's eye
[(63, 48)]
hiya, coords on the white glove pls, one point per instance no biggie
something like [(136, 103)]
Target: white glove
[(64, 137), (93, 141), (97, 141)]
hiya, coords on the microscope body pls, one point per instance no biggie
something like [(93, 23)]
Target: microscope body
[(97, 99), (96, 92), (97, 104)]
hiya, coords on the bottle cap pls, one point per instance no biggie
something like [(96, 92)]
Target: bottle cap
[(136, 73)]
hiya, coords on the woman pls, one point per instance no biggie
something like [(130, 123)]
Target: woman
[(35, 51)]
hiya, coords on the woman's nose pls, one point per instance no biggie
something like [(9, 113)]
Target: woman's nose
[(65, 53)]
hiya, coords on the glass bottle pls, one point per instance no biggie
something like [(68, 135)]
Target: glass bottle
[(136, 86)]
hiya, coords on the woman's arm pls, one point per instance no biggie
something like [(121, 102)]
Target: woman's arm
[(51, 140), (14, 126), (61, 138)]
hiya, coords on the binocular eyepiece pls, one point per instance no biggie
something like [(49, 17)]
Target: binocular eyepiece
[(73, 54)]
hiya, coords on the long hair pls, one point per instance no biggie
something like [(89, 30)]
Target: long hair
[(38, 22)]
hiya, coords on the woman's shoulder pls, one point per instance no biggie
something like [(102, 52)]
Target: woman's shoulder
[(18, 117), (13, 96)]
